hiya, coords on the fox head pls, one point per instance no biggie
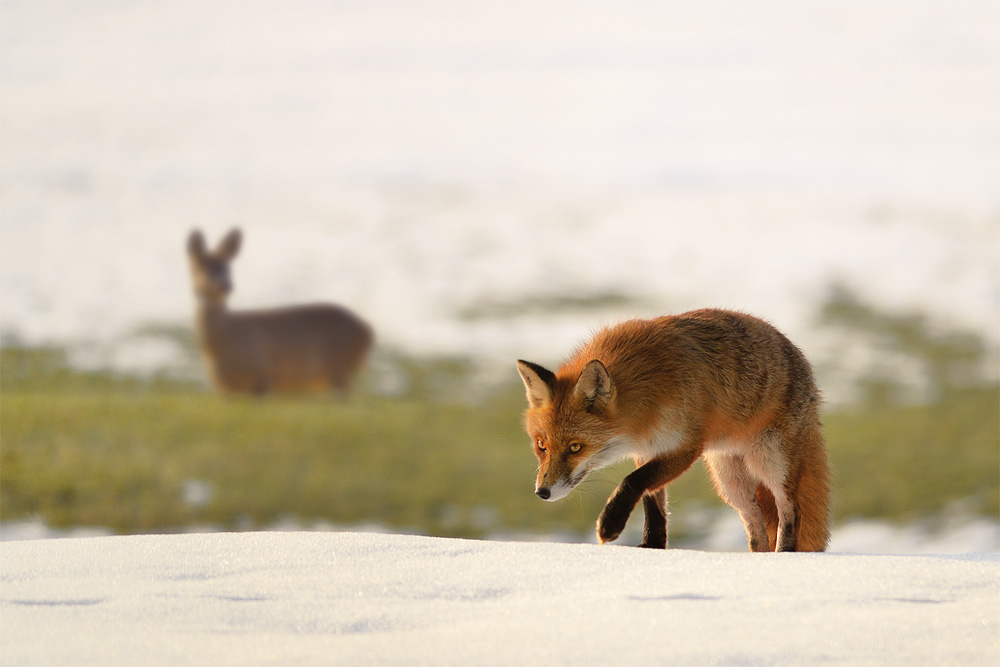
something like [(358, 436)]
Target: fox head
[(570, 420)]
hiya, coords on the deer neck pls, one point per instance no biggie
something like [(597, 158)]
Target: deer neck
[(210, 315)]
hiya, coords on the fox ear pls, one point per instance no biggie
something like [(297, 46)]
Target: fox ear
[(595, 387), (196, 244), (538, 383), (229, 246)]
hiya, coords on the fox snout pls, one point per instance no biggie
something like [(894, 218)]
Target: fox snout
[(551, 488), (555, 492)]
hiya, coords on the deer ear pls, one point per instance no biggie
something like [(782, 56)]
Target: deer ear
[(538, 383), (595, 387), (229, 246), (196, 244)]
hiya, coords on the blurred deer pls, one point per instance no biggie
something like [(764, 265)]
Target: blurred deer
[(298, 348)]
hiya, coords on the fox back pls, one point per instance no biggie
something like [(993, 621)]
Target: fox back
[(712, 383), (299, 348)]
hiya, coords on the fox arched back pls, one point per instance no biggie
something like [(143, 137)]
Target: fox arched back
[(317, 347)]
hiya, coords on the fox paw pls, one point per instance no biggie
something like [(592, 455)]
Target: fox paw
[(609, 526)]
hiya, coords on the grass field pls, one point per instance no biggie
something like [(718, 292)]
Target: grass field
[(159, 455)]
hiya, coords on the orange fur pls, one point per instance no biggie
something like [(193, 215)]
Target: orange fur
[(710, 383)]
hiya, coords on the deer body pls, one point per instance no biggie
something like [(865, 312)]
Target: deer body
[(299, 348)]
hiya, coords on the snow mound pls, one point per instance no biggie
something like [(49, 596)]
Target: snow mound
[(362, 598)]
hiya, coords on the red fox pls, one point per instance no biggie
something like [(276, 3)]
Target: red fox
[(709, 383), (298, 348)]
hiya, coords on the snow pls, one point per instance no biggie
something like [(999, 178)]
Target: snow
[(413, 159), (953, 531), (360, 598)]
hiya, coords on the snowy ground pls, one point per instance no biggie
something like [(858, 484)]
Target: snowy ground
[(953, 532), (354, 598)]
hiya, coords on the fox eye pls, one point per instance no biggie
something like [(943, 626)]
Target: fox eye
[(538, 443), (575, 447)]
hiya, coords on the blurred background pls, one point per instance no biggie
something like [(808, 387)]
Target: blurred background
[(487, 181)]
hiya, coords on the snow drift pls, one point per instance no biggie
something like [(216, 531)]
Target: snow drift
[(353, 598)]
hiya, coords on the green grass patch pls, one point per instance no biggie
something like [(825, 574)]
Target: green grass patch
[(124, 460), (914, 461), (97, 450)]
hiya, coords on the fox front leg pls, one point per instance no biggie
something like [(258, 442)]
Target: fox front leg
[(650, 477), (654, 535)]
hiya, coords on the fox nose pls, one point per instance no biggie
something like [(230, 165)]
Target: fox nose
[(543, 492)]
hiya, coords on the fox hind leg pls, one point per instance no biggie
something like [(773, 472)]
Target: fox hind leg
[(787, 523), (771, 466), (765, 500), (738, 487)]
